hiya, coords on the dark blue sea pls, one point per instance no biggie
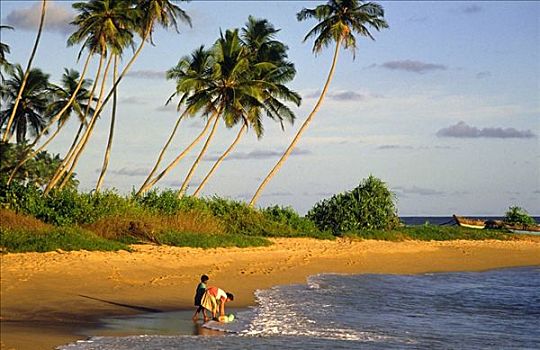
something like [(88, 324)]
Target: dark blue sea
[(498, 309)]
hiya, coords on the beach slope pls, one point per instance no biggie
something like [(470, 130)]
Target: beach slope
[(47, 297)]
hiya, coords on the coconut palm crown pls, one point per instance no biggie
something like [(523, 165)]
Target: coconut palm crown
[(340, 19), (31, 115)]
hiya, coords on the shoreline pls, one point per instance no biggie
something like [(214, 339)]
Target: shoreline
[(47, 298)]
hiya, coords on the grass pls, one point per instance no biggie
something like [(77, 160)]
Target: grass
[(430, 233), (197, 240), (64, 238)]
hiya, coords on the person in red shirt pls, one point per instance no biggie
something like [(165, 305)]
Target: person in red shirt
[(214, 300)]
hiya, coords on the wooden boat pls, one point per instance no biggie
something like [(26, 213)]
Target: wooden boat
[(524, 229), (469, 223)]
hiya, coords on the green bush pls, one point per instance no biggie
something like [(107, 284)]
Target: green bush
[(517, 215), (368, 206)]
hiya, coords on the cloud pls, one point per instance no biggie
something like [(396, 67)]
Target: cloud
[(462, 130), (146, 74), (128, 171), (259, 154), (419, 191), (483, 75), (57, 18), (395, 147), (342, 95), (171, 107), (412, 66), (136, 100), (471, 9), (279, 194)]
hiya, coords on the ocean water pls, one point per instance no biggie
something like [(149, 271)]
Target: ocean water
[(497, 309)]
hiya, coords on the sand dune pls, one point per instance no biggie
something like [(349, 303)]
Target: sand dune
[(46, 297)]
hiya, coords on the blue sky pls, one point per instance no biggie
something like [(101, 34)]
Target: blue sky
[(444, 106)]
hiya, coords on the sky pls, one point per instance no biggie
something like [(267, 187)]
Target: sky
[(443, 106)]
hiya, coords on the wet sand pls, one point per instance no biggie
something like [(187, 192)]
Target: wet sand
[(48, 298)]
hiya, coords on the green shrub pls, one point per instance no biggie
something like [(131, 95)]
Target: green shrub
[(517, 215), (167, 202), (368, 206)]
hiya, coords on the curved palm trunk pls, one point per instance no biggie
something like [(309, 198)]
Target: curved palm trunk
[(179, 157), (162, 153), (33, 153), (115, 85), (7, 134), (218, 162), (111, 132), (51, 122), (67, 159), (68, 104), (296, 138), (86, 136), (198, 160)]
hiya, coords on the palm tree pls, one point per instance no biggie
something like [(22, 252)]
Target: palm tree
[(143, 18), (104, 27), (338, 21), (228, 88), (4, 48), (271, 70), (71, 85), (11, 118), (27, 105), (190, 74)]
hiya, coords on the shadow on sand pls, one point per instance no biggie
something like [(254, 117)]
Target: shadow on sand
[(133, 307)]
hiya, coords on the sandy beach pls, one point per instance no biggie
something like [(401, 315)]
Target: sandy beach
[(47, 297)]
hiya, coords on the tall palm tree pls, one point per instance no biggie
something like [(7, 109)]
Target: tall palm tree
[(144, 16), (228, 88), (338, 21), (4, 48), (11, 118), (149, 12), (190, 74), (270, 68), (28, 105), (71, 85)]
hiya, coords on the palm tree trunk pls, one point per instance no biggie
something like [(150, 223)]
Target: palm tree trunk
[(33, 153), (51, 122), (86, 136), (162, 153), (197, 161), (124, 71), (179, 157), (7, 134), (218, 162), (68, 156), (111, 131), (113, 88), (300, 131)]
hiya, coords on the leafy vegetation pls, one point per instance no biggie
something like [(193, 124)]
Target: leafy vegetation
[(368, 206), (517, 215), (157, 217)]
